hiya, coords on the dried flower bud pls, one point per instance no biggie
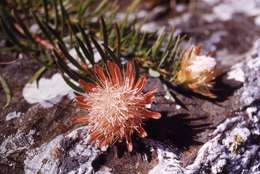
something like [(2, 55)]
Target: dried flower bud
[(115, 106), (197, 72)]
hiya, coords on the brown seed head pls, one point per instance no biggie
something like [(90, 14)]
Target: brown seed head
[(115, 105)]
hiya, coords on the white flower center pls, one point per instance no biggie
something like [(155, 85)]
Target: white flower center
[(201, 64)]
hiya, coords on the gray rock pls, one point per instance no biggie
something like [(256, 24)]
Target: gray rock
[(64, 154), (235, 146)]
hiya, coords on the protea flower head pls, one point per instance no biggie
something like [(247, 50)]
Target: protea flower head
[(197, 72), (115, 105)]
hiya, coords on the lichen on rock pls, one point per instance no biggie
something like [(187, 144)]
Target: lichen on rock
[(64, 154)]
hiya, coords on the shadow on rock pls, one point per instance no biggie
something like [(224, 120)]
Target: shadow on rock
[(177, 130), (222, 90)]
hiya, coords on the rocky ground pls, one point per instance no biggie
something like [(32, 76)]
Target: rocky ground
[(194, 135)]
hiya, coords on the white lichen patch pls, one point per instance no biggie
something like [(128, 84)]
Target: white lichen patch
[(16, 143), (218, 168), (225, 10), (214, 39), (254, 63), (120, 16), (206, 149), (105, 170), (250, 111), (254, 116), (48, 92), (227, 124), (211, 2), (64, 154), (250, 91), (179, 19), (236, 138), (150, 27), (41, 160), (236, 74), (168, 162), (13, 115), (257, 20)]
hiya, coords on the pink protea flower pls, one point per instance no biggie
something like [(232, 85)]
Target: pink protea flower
[(115, 105)]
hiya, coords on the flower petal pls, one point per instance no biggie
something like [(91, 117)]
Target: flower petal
[(148, 97), (150, 114), (130, 75), (103, 143), (140, 83), (115, 73), (142, 133), (100, 74), (81, 101), (86, 85), (93, 137), (80, 119)]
